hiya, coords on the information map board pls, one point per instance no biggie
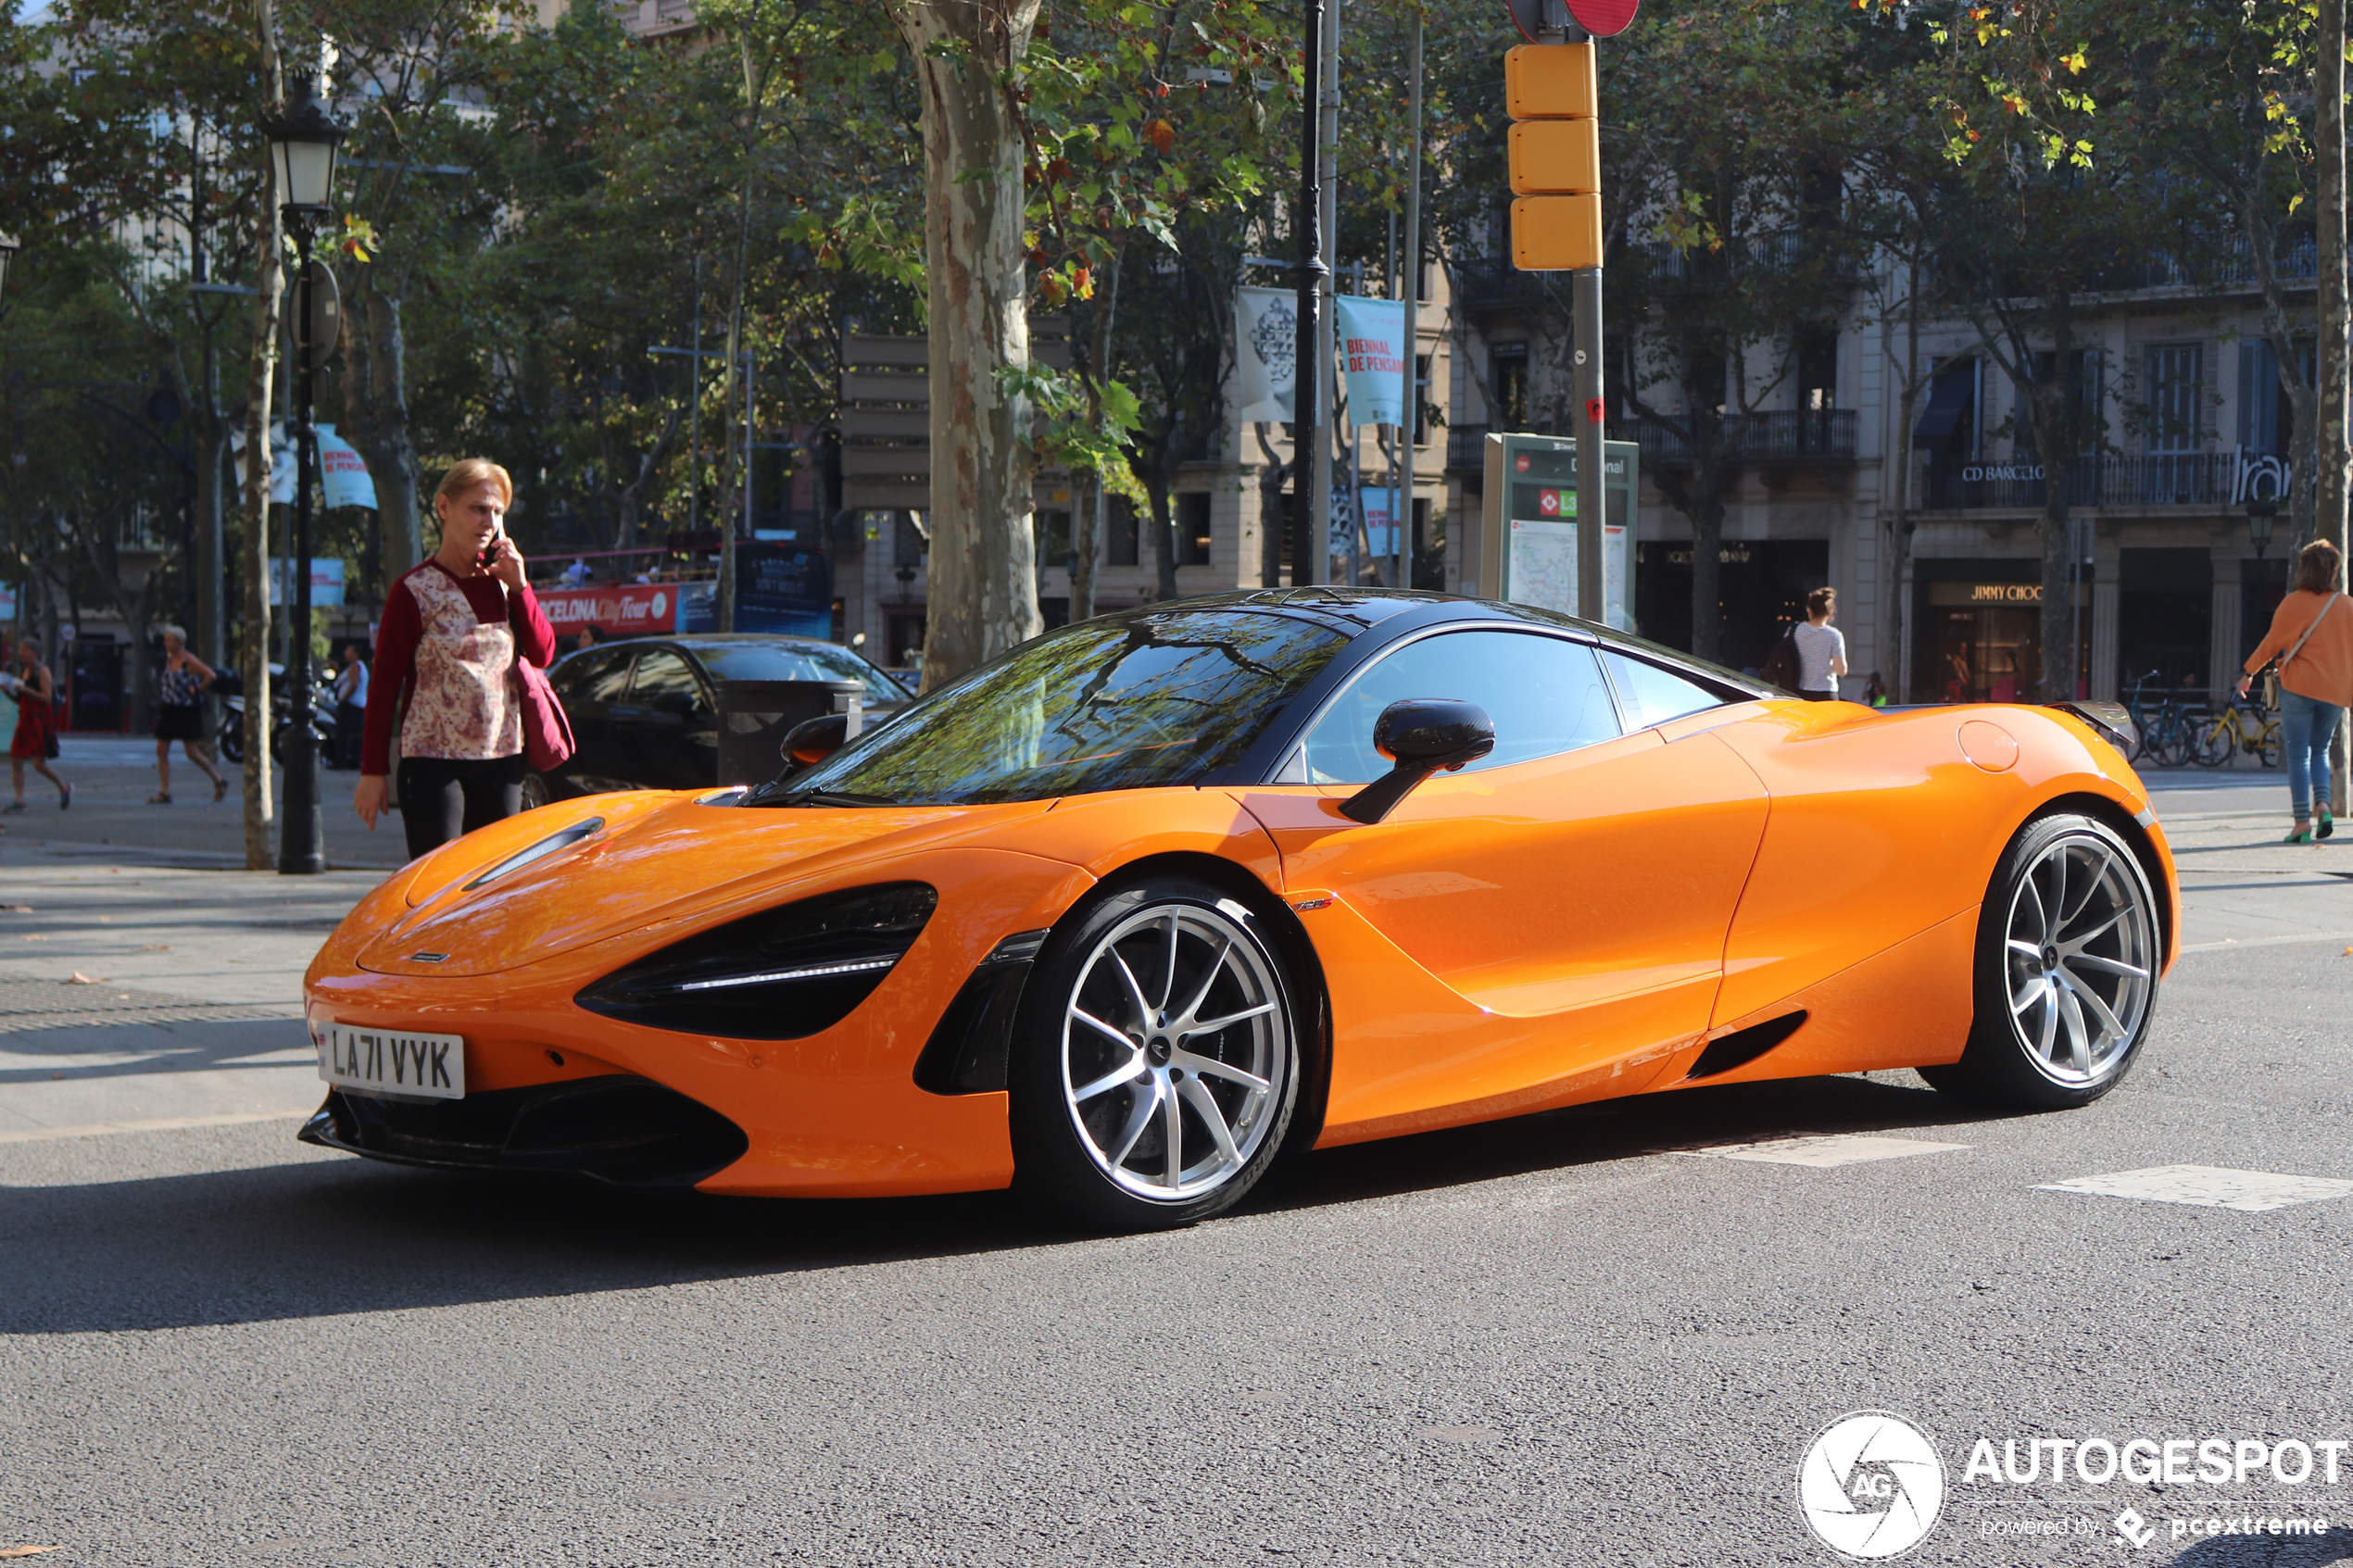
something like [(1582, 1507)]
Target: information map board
[(1528, 522)]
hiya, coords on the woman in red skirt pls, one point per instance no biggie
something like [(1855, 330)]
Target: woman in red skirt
[(36, 693)]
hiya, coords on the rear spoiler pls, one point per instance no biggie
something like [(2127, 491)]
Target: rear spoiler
[(2109, 719)]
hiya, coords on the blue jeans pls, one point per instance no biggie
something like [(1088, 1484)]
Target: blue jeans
[(2306, 726)]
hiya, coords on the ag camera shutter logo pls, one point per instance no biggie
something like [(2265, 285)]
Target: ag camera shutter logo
[(1870, 1485)]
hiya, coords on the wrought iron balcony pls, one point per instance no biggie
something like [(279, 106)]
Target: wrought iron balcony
[(1781, 436), (1487, 284), (1466, 449), (2153, 479)]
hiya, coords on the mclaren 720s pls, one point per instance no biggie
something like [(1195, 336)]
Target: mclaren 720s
[(1122, 916)]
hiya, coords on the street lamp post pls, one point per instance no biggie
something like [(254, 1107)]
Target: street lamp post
[(2262, 511), (303, 137)]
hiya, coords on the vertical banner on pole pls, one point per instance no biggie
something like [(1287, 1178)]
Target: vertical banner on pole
[(1265, 354), (1372, 340)]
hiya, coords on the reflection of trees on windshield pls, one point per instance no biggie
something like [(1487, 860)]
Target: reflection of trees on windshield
[(1158, 698)]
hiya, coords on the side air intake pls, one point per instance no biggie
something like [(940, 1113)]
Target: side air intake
[(1744, 1046)]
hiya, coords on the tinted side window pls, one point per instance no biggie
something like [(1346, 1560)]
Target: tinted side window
[(598, 676), (1652, 696), (1545, 695), (664, 674)]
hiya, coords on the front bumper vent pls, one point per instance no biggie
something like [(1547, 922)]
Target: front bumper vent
[(626, 1130)]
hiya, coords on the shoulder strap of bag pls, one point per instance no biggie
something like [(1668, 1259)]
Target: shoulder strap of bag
[(2310, 629)]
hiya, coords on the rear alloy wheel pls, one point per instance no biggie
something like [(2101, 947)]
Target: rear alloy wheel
[(535, 792), (2068, 951), (1156, 1060)]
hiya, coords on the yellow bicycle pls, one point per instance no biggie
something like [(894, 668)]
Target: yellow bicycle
[(2241, 726)]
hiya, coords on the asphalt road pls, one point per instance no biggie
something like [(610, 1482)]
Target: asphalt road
[(1576, 1338)]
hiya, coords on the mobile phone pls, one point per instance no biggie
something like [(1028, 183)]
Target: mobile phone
[(490, 551)]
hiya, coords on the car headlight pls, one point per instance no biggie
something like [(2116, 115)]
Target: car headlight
[(780, 974)]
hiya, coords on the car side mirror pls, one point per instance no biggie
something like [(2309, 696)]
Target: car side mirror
[(813, 740), (1421, 735)]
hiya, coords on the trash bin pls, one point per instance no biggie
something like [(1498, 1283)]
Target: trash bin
[(755, 716)]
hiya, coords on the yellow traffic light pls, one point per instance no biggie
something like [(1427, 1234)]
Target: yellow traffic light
[(1555, 156), (1557, 233), (1552, 81)]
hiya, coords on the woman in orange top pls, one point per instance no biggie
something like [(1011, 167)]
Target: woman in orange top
[(2316, 679)]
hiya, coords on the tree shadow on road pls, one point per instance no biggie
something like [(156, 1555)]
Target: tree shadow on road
[(320, 1237)]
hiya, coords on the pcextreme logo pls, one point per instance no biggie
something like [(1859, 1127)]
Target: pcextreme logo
[(1870, 1485)]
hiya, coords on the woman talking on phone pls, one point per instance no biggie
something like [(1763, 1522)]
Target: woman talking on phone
[(452, 630)]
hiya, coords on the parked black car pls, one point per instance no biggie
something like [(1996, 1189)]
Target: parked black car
[(646, 712)]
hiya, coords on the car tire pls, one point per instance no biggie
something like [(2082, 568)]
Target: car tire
[(2063, 1006), (536, 791), (1109, 1064)]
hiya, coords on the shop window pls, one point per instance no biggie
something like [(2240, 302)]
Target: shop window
[(1761, 586), (1192, 528), (1121, 540), (2165, 609), (1980, 636), (1054, 537)]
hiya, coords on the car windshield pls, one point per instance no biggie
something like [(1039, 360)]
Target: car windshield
[(796, 661), (1158, 698)]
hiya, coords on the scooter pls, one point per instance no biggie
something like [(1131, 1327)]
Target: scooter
[(323, 718)]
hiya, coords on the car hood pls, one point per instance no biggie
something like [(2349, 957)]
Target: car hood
[(644, 869)]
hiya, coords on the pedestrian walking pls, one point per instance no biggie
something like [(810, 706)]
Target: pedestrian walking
[(180, 716), (452, 630), (351, 706), (2311, 635), (36, 738), (1820, 647)]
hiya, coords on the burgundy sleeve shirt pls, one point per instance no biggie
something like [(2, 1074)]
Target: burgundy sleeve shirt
[(397, 636)]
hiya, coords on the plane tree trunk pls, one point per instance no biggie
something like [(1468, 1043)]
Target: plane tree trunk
[(983, 568)]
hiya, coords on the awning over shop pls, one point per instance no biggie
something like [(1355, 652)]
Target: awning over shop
[(1948, 399)]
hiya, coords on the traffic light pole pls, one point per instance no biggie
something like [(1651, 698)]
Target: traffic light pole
[(1585, 327)]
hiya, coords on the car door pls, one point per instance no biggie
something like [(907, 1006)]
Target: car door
[(666, 710), (1547, 924), (593, 684)]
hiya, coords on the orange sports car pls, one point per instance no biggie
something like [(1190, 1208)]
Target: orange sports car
[(1124, 915)]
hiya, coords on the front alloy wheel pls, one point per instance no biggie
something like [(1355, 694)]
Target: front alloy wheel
[(2068, 959), (1158, 1059)]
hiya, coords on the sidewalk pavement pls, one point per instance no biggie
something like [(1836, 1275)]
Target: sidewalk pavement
[(190, 1011), (112, 777)]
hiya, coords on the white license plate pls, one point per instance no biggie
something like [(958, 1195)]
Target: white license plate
[(392, 1061)]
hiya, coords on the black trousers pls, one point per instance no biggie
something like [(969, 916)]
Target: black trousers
[(350, 721), (443, 798)]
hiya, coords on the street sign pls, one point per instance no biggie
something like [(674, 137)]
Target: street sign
[(1605, 18), (1529, 525), (1546, 21)]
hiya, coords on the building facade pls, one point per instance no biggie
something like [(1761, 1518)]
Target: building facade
[(2172, 586)]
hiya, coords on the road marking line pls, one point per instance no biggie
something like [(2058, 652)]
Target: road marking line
[(1822, 1152), (2208, 1186), (2265, 941), (41, 1134)]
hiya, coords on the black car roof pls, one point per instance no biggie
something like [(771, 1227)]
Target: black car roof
[(1354, 612)]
